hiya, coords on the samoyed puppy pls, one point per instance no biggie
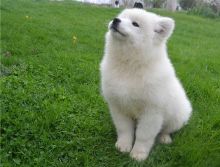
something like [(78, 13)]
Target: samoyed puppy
[(146, 100)]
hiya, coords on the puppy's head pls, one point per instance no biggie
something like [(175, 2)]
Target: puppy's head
[(137, 26)]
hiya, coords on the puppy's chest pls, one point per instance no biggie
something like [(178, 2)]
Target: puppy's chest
[(127, 89), (128, 94)]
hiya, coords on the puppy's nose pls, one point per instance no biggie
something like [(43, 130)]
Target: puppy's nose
[(116, 21)]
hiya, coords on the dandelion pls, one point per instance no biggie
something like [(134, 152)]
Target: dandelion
[(74, 39), (28, 17)]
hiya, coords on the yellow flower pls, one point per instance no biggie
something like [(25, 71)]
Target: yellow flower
[(74, 40), (28, 17)]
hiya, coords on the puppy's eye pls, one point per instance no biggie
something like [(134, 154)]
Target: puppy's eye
[(135, 24)]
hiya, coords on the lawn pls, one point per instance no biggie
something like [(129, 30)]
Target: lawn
[(52, 113)]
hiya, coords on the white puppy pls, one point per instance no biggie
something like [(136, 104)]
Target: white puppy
[(145, 97)]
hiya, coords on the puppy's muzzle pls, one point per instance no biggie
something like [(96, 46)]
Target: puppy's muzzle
[(115, 23), (114, 26)]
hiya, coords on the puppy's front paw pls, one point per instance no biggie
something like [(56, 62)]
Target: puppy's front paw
[(123, 145), (138, 155)]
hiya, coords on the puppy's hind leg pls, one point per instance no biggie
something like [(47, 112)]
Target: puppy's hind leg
[(125, 130), (165, 138), (174, 124)]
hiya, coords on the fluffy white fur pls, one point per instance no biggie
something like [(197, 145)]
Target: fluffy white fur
[(145, 97)]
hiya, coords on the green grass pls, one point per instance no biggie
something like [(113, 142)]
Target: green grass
[(52, 113)]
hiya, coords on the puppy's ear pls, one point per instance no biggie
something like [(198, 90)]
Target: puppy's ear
[(164, 28)]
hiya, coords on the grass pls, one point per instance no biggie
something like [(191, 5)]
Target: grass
[(52, 113)]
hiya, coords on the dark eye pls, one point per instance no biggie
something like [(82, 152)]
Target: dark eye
[(135, 24)]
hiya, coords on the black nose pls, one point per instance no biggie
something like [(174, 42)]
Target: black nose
[(116, 21)]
